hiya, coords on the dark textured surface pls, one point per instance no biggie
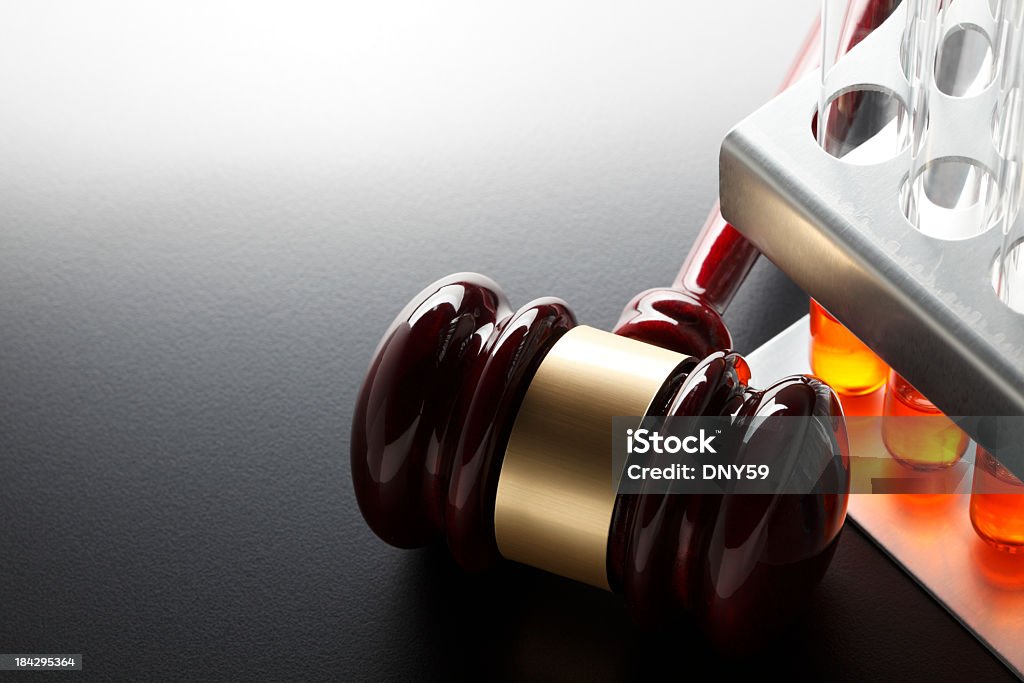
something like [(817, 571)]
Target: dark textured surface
[(208, 216)]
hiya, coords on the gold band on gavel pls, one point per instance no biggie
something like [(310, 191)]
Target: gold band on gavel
[(556, 492)]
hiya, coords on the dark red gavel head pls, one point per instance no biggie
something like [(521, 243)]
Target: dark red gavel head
[(446, 431), (674, 318)]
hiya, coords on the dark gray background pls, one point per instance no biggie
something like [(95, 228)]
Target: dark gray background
[(208, 214)]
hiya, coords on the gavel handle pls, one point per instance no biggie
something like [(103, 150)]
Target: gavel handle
[(721, 257)]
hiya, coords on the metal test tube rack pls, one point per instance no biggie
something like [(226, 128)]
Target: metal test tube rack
[(927, 306)]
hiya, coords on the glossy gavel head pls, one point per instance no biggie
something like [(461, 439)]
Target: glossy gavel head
[(674, 318), (491, 428)]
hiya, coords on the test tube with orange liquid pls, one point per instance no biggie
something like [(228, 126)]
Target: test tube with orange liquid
[(997, 504), (916, 433), (842, 360), (997, 496), (837, 356)]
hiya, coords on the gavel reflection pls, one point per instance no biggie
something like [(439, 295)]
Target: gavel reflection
[(489, 428)]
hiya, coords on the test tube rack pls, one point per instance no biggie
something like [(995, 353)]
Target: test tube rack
[(927, 306)]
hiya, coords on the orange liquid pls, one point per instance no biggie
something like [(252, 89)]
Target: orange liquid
[(841, 359), (916, 433), (997, 504)]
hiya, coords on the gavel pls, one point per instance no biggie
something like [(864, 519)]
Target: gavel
[(489, 428)]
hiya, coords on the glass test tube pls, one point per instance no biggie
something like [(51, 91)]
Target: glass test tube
[(1008, 135), (997, 496), (840, 359), (997, 504), (858, 126), (944, 198), (915, 432), (948, 197)]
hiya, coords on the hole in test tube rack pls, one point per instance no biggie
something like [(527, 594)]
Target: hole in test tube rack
[(964, 65), (951, 199), (1008, 276), (865, 125)]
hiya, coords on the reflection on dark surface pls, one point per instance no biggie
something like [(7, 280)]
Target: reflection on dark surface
[(517, 623)]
